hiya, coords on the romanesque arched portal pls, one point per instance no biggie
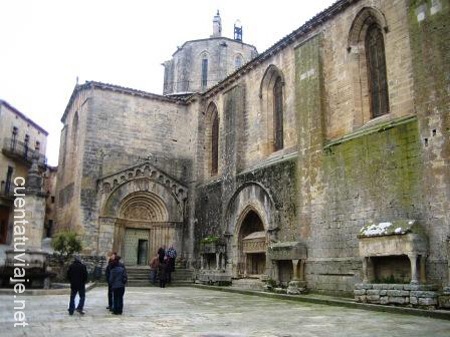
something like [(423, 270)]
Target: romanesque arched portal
[(142, 210)]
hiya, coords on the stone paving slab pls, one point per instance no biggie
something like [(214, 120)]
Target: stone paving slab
[(186, 311)]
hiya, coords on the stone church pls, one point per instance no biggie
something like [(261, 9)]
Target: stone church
[(323, 160)]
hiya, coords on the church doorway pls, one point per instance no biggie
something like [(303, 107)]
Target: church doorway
[(252, 245), (136, 248)]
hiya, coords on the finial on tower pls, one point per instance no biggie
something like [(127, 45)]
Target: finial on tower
[(217, 25)]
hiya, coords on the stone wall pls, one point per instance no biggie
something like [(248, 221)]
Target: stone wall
[(429, 29), (118, 130), (417, 296)]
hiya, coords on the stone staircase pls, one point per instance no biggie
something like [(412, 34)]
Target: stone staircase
[(139, 276)]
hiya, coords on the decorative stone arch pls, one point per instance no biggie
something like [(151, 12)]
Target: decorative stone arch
[(272, 108), (366, 18), (140, 204), (143, 206), (150, 195), (211, 144), (249, 198)]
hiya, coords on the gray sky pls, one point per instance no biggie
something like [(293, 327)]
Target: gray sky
[(46, 44)]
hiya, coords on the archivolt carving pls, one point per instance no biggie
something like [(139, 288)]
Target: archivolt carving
[(144, 206), (109, 183)]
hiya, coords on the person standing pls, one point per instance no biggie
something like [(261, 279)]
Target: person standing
[(171, 256), (161, 253), (77, 276), (107, 273), (118, 279), (154, 265), (162, 273)]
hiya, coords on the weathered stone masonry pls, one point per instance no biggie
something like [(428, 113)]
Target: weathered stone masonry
[(338, 170)]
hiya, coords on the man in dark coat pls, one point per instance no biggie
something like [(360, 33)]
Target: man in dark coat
[(77, 276), (118, 279)]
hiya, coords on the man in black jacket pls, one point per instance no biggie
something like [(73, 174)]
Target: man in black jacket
[(77, 275), (107, 273)]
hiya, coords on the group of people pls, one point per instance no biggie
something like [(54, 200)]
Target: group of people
[(116, 277), (162, 265)]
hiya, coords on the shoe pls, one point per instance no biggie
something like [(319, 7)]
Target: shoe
[(81, 312), (70, 313), (108, 308)]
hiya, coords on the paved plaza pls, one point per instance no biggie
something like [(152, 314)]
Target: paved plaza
[(185, 311)]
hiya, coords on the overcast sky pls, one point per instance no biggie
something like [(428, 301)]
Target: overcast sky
[(46, 44)]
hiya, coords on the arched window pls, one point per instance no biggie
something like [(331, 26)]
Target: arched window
[(368, 66), (74, 130), (272, 105), (238, 61), (278, 113), (215, 145), (376, 69), (204, 71), (212, 141)]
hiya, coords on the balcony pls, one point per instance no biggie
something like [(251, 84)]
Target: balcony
[(19, 151)]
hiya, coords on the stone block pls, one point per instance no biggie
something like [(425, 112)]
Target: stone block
[(373, 292), (398, 293), (397, 300), (383, 292), (413, 300), (359, 292), (373, 298), (362, 299), (384, 300), (427, 301), (444, 301), (380, 286), (422, 294)]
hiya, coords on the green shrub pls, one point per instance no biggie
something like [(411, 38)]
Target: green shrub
[(66, 243)]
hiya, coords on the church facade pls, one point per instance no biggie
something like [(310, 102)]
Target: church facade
[(281, 165)]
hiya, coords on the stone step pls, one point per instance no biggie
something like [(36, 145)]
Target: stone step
[(140, 277)]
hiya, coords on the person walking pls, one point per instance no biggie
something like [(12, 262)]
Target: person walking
[(171, 254), (107, 273), (118, 278), (77, 276), (154, 265)]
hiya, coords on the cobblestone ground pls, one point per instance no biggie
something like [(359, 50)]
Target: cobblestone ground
[(204, 313)]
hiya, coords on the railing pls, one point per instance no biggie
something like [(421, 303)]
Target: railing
[(19, 150)]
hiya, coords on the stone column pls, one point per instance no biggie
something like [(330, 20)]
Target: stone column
[(34, 207), (201, 262), (364, 268), (302, 270), (217, 261), (423, 275), (295, 270), (414, 274)]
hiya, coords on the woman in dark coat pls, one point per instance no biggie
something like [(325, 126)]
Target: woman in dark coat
[(162, 268), (118, 279)]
